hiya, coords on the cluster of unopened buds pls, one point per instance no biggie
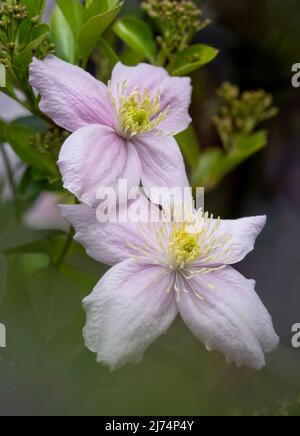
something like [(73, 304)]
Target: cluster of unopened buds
[(242, 112), (10, 12), (178, 20), (11, 15)]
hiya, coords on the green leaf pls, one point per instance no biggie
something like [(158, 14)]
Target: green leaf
[(55, 299), (252, 143), (2, 76), (81, 262), (18, 136), (34, 7), (130, 57), (3, 275), (137, 35), (98, 7), (191, 59), (108, 52), (112, 3), (32, 122), (206, 173), (74, 13), (22, 239), (92, 30), (190, 147), (215, 164), (88, 3), (24, 58), (63, 37)]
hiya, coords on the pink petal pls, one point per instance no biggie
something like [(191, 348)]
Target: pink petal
[(95, 157), (69, 95), (241, 235), (230, 318), (108, 243), (175, 91), (161, 161), (127, 311)]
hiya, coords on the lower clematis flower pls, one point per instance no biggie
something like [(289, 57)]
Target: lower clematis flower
[(167, 268), (121, 131)]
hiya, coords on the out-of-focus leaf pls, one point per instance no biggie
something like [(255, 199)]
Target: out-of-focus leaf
[(206, 172), (91, 31), (88, 3), (130, 57), (74, 13), (3, 275), (112, 3), (34, 7), (97, 7), (215, 164), (63, 37), (191, 59), (18, 136), (32, 122), (80, 261), (55, 299), (252, 143), (108, 52), (190, 146), (137, 35), (21, 239), (40, 33), (2, 76)]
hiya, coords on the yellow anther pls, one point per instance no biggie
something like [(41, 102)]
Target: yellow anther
[(137, 113), (184, 246)]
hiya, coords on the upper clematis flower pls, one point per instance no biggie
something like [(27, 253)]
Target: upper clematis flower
[(167, 268), (121, 131)]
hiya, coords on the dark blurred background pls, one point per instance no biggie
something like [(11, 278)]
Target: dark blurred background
[(259, 43)]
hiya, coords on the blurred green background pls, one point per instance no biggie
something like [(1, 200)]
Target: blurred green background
[(53, 374)]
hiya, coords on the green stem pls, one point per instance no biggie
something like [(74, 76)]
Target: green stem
[(65, 249)]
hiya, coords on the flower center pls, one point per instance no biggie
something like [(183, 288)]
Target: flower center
[(136, 113), (184, 246)]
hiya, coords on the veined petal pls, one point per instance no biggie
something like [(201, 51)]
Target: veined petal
[(127, 311), (175, 92), (110, 242), (95, 157), (69, 95), (229, 317), (240, 235), (161, 162)]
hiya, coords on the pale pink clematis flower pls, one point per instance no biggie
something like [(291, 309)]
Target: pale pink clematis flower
[(121, 131), (163, 269)]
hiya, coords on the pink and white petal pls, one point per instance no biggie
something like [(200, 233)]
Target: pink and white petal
[(241, 235), (132, 170), (230, 318), (94, 157), (127, 311), (70, 96), (162, 163), (175, 92), (111, 242)]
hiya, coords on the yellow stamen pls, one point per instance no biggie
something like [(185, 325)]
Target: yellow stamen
[(184, 246), (137, 113)]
